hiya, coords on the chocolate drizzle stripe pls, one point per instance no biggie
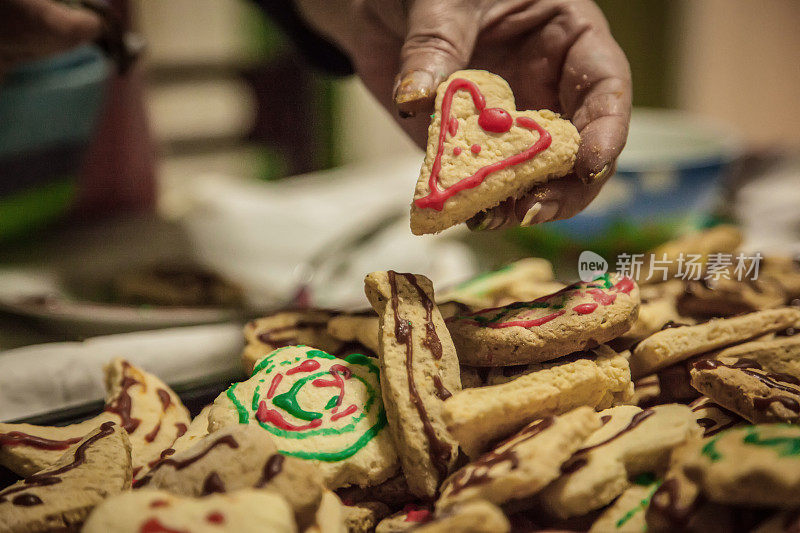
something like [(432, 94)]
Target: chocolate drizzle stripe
[(637, 419), (122, 404), (150, 437), (165, 398), (17, 438), (272, 468), (227, 440), (441, 391), (43, 479), (212, 484), (438, 450), (478, 472)]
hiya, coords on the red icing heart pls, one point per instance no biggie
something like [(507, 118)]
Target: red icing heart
[(494, 120)]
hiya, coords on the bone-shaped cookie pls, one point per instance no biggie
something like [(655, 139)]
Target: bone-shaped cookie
[(631, 442), (481, 151), (141, 403), (480, 416)]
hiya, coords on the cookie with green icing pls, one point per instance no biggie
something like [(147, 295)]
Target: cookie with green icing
[(750, 465), (574, 318), (319, 408), (627, 514)]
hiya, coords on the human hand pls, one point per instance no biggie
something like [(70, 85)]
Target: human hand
[(32, 29), (555, 54)]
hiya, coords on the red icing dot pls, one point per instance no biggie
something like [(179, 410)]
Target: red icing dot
[(495, 119), (418, 515), (476, 148), (158, 503), (456, 151), (453, 126), (585, 309), (215, 518)]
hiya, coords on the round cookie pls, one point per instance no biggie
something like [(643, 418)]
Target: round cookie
[(750, 465), (157, 511), (577, 317), (319, 408)]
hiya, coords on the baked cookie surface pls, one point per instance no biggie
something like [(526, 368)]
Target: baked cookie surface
[(481, 151), (316, 407), (61, 496), (480, 416), (577, 317), (631, 442), (419, 370), (152, 511), (749, 465), (523, 464)]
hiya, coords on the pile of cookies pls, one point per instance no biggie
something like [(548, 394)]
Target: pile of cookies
[(508, 403)]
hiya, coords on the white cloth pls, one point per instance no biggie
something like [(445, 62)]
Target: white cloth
[(45, 377)]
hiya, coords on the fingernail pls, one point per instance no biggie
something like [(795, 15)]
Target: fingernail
[(600, 175), (414, 85), (539, 212)]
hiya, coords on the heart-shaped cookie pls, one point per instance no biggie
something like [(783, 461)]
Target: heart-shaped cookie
[(481, 151)]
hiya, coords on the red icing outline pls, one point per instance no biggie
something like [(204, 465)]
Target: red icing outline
[(437, 197)]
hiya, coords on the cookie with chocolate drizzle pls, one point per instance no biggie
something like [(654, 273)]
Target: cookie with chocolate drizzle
[(138, 401), (236, 457), (746, 388), (523, 464), (419, 370), (62, 495), (675, 344), (631, 442)]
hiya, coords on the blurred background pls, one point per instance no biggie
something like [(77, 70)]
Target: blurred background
[(291, 184)]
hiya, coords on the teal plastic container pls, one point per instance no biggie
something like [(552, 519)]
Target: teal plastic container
[(48, 110)]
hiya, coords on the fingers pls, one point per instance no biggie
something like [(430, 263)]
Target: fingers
[(440, 39), (555, 200), (36, 28), (595, 91)]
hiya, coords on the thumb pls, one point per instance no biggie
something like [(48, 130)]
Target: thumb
[(440, 39)]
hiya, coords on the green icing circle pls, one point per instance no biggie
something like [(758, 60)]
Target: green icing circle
[(268, 365)]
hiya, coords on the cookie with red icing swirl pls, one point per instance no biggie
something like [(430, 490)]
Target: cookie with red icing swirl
[(574, 318), (316, 407)]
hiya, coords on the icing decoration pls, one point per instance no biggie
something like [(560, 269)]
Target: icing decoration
[(546, 308), (154, 526), (493, 120), (457, 150), (287, 385), (783, 445), (644, 503), (416, 514), (475, 148), (17, 438)]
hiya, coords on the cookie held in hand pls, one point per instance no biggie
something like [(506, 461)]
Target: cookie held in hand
[(482, 151)]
